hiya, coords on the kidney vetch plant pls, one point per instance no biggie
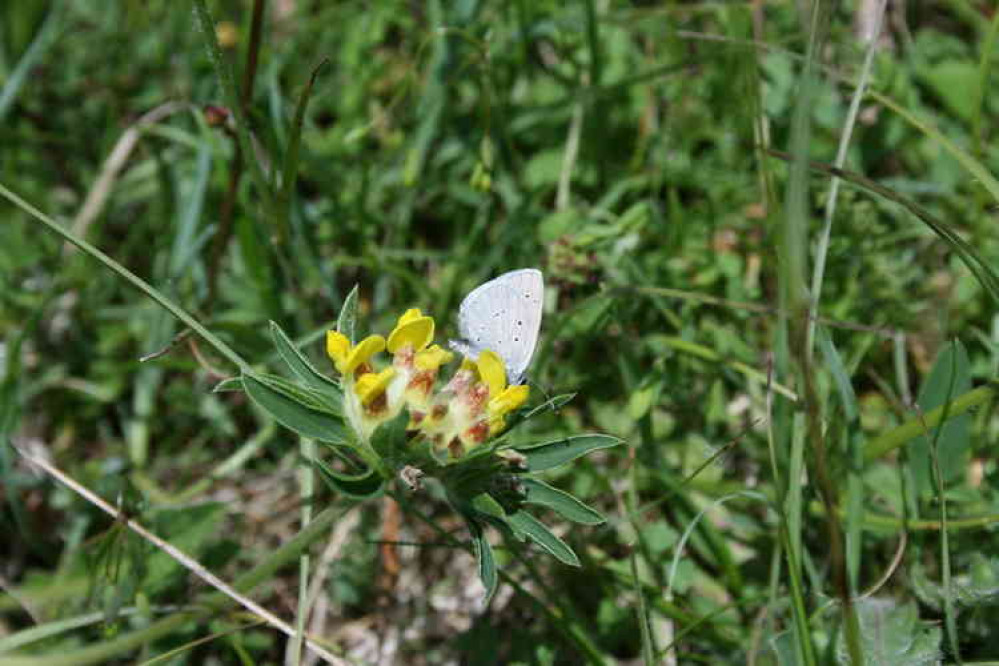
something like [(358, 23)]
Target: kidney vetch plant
[(387, 416)]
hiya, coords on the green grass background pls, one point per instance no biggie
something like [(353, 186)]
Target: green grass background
[(624, 149)]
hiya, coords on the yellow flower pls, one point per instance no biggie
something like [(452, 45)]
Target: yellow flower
[(499, 406), (413, 329), (372, 385), (349, 357), (432, 358), (492, 371), (502, 399)]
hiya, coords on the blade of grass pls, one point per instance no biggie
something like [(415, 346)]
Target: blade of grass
[(129, 276), (792, 256), (916, 426), (822, 249), (973, 166), (950, 618), (984, 70), (966, 160), (200, 641), (290, 170), (979, 266), (46, 630), (642, 612), (39, 45)]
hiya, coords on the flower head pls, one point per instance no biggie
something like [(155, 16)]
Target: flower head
[(470, 409)]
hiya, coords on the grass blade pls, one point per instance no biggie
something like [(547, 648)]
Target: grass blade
[(129, 276), (39, 45), (979, 266)]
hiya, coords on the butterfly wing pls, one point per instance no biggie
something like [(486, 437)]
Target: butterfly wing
[(504, 315)]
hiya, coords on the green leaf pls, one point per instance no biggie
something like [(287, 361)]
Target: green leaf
[(21, 74), (541, 535), (892, 634), (955, 82), (567, 506), (229, 384), (840, 376), (290, 170), (949, 378), (328, 389), (347, 320), (359, 486), (552, 454), (294, 408), (485, 504), (484, 558), (551, 405)]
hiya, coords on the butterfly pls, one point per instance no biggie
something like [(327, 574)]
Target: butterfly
[(504, 316)]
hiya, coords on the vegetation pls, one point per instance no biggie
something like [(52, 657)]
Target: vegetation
[(768, 246)]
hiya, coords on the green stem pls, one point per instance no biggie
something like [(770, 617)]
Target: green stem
[(919, 425), (307, 493)]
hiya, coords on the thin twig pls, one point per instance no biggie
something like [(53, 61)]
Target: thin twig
[(188, 562), (176, 340), (890, 571)]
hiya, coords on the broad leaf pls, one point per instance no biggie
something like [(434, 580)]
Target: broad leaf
[(484, 558), (485, 504), (553, 404), (295, 409), (552, 454), (346, 322), (567, 506), (892, 634), (949, 378), (541, 535), (305, 371), (359, 486)]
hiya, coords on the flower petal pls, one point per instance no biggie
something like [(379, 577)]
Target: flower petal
[(370, 385), (492, 371), (408, 316), (338, 348), (432, 358), (416, 331), (509, 400), (362, 352)]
